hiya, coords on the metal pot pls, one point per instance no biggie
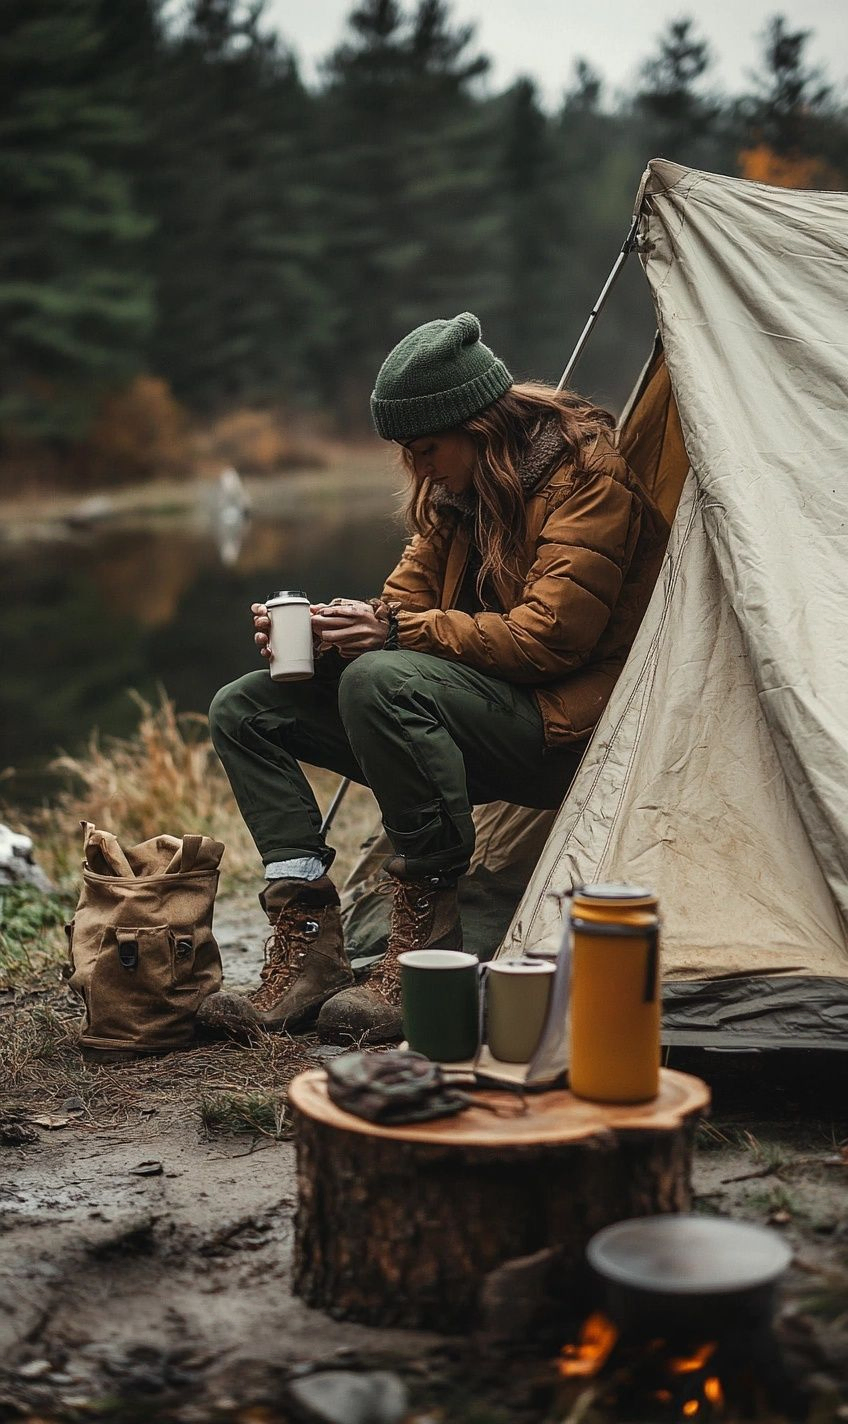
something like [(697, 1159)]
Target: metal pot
[(688, 1276)]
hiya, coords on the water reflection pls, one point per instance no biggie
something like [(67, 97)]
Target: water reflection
[(231, 515), (85, 619)]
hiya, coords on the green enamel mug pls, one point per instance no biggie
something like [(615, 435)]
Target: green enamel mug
[(440, 999)]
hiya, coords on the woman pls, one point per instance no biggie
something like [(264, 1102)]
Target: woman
[(478, 674)]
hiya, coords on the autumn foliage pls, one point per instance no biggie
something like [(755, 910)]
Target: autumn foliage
[(140, 433), (763, 165)]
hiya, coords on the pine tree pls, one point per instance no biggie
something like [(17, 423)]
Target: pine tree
[(231, 111), (584, 95), (789, 96), (680, 119), (75, 303), (408, 164), (537, 232)]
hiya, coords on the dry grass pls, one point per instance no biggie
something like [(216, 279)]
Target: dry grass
[(167, 778), (36, 1041), (42, 1065)]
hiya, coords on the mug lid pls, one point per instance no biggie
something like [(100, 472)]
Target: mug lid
[(286, 593), (521, 966)]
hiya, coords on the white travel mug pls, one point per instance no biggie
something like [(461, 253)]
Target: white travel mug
[(290, 639)]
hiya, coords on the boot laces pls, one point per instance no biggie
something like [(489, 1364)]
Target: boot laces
[(413, 908), (286, 948)]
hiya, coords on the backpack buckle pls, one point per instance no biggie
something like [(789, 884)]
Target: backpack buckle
[(127, 951)]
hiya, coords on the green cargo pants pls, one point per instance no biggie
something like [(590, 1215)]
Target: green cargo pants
[(430, 737)]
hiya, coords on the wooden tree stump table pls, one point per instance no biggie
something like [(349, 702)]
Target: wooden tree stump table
[(400, 1225)]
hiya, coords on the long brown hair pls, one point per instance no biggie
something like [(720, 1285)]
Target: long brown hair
[(502, 434)]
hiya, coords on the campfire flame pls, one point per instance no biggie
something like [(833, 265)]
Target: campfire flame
[(709, 1388), (585, 1359), (711, 1394), (687, 1364), (697, 1395)]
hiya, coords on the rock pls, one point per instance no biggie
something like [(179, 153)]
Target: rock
[(228, 1016), (516, 1296), (342, 1397), (34, 1369), (15, 1130), (17, 861), (90, 511)]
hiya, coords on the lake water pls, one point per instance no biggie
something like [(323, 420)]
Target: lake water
[(141, 601)]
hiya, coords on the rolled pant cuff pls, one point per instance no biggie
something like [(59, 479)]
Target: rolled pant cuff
[(433, 840), (447, 868), (283, 852)]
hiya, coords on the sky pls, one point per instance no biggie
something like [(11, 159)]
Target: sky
[(542, 38)]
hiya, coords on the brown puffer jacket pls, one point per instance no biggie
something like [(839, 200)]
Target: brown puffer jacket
[(594, 548)]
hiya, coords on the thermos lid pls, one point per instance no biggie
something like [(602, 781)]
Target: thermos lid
[(287, 595), (613, 890)]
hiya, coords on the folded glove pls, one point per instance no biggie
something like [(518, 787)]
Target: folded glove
[(393, 1087)]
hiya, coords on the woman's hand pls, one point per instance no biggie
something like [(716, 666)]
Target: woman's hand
[(349, 625), (262, 625)]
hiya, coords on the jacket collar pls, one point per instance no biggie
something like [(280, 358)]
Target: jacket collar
[(545, 452)]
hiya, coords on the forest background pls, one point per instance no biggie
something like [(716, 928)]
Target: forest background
[(192, 233)]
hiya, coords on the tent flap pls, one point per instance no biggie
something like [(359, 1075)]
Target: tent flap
[(750, 285), (718, 773)]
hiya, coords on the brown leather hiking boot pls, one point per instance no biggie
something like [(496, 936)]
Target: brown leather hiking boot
[(425, 915), (305, 960)]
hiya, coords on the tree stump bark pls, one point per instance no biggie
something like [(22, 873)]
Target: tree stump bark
[(400, 1225)]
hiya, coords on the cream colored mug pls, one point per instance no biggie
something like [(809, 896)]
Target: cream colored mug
[(518, 992)]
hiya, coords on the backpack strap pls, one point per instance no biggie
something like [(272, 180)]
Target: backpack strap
[(103, 854), (196, 853), (190, 852)]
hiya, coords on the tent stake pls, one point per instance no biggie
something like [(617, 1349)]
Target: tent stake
[(627, 247)]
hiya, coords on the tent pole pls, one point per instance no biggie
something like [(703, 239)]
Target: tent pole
[(627, 247), (338, 798)]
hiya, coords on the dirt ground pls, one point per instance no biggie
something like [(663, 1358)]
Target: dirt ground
[(146, 1220)]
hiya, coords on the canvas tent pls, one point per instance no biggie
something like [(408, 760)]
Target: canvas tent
[(718, 774)]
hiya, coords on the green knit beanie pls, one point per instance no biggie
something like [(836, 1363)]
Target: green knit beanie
[(436, 377)]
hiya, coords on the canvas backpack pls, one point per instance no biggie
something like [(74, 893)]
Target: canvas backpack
[(142, 952)]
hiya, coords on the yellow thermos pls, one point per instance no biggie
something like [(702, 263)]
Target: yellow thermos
[(615, 994)]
